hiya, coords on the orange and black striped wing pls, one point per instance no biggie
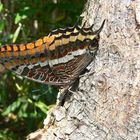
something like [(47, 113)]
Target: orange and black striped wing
[(30, 60), (69, 52), (56, 59)]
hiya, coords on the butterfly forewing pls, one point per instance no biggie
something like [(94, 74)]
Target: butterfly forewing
[(56, 59)]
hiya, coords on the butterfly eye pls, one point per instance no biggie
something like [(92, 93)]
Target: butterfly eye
[(93, 46), (94, 43)]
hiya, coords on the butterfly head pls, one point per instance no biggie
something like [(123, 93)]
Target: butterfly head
[(93, 39)]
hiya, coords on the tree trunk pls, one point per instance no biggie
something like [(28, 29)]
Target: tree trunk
[(106, 104)]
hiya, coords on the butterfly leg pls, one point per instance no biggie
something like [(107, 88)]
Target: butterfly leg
[(50, 119), (86, 72), (65, 93), (71, 91), (61, 96), (86, 75)]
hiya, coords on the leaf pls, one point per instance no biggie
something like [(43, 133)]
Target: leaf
[(1, 26), (11, 107), (17, 33), (18, 18), (43, 107), (1, 7)]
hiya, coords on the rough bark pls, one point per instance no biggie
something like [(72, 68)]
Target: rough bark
[(106, 105)]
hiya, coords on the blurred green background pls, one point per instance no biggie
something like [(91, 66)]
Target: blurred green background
[(24, 103)]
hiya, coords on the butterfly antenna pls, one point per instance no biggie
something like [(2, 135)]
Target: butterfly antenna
[(84, 24), (100, 29), (76, 24)]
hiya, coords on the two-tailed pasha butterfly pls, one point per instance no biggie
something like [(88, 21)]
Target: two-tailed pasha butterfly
[(56, 59)]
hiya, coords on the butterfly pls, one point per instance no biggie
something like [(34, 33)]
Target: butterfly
[(56, 59)]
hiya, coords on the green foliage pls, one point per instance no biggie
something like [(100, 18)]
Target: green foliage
[(24, 103)]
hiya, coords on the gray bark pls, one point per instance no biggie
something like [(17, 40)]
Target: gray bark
[(106, 105)]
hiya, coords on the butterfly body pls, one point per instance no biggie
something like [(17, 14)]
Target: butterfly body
[(56, 59)]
